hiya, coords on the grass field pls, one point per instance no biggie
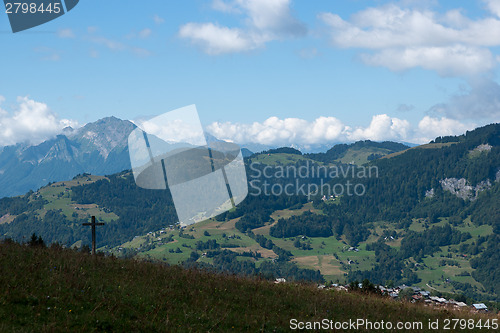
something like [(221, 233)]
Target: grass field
[(280, 159), (360, 156), (58, 197), (424, 146), (329, 255), (59, 290)]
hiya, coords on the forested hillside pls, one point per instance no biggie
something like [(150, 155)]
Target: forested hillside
[(428, 216)]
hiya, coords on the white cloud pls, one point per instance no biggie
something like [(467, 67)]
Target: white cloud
[(31, 122), (402, 38), (430, 128), (323, 130), (266, 20), (281, 131), (273, 17), (382, 127), (493, 6), (65, 33), (447, 61), (392, 26), (215, 39)]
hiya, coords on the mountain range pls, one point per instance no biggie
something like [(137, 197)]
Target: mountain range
[(100, 148)]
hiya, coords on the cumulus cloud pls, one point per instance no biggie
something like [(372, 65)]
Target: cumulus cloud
[(281, 131), (493, 6), (273, 17), (430, 128), (401, 38), (275, 131), (382, 127), (480, 101), (455, 60), (265, 21), (31, 121)]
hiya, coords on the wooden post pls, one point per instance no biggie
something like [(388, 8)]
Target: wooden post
[(93, 225)]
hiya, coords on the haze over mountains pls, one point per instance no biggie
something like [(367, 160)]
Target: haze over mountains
[(98, 148)]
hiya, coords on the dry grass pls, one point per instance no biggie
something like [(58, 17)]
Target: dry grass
[(256, 247), (57, 290), (327, 265)]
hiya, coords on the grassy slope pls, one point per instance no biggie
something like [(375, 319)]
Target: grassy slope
[(357, 156), (58, 196), (424, 146), (360, 156), (56, 290), (320, 257)]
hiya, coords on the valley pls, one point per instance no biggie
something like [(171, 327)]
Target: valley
[(438, 242)]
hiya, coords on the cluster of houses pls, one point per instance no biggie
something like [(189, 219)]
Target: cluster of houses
[(419, 295), (331, 197)]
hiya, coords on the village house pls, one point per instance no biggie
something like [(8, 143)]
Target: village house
[(480, 307)]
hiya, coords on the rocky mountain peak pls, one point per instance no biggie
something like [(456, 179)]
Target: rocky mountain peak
[(104, 135)]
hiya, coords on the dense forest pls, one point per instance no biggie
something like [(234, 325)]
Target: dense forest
[(390, 262), (308, 224)]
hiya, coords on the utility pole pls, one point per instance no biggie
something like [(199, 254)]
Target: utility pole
[(93, 224)]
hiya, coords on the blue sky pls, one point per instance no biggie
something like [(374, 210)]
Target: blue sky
[(266, 71)]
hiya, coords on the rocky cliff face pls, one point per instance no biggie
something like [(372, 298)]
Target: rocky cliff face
[(462, 189), (97, 148)]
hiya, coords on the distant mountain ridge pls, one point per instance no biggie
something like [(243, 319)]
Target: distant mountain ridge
[(98, 148), (359, 152)]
